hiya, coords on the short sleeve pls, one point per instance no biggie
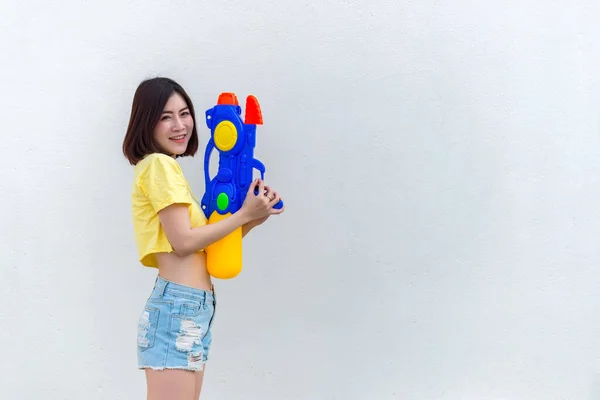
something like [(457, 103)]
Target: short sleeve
[(164, 184)]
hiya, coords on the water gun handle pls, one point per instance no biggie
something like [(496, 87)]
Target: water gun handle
[(261, 168), (209, 148)]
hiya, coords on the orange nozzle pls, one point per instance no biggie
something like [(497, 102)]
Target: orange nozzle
[(228, 98), (253, 113)]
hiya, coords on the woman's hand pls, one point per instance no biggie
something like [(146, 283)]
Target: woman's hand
[(271, 195), (258, 207)]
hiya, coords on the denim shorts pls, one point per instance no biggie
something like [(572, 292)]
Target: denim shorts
[(174, 330)]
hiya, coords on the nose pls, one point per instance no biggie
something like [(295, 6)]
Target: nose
[(177, 124)]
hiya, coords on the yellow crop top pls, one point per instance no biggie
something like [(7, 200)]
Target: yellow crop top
[(158, 183)]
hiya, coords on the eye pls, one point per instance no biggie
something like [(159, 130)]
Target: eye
[(185, 113), (165, 117)]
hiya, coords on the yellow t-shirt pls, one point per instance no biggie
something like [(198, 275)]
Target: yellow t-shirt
[(158, 183)]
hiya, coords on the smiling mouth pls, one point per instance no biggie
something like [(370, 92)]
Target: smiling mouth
[(178, 138)]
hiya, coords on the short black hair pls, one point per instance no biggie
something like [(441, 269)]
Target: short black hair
[(148, 104)]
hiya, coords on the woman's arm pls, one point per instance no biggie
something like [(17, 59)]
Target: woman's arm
[(186, 240), (247, 227)]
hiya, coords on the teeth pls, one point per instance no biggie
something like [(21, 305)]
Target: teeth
[(178, 137)]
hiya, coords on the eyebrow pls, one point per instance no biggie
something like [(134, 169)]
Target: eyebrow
[(171, 112)]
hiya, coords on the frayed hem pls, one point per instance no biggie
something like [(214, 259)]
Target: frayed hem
[(193, 369)]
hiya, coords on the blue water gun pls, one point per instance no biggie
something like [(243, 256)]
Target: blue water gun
[(235, 140)]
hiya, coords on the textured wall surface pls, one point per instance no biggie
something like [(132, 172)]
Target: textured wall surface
[(440, 162)]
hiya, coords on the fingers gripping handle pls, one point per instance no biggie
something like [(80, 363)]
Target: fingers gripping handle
[(276, 206)]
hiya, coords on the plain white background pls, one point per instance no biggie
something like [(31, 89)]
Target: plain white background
[(440, 162)]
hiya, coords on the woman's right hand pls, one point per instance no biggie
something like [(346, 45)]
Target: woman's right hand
[(259, 205)]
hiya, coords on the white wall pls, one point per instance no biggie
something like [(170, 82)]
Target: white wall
[(441, 167)]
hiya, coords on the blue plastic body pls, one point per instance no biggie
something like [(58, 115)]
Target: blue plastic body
[(236, 166)]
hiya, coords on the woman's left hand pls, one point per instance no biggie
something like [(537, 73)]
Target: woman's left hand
[(271, 194), (256, 222)]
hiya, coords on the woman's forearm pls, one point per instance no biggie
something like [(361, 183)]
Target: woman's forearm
[(203, 236), (186, 240), (247, 227)]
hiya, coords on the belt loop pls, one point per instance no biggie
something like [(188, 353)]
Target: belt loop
[(161, 288)]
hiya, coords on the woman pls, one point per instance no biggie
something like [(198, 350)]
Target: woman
[(171, 231)]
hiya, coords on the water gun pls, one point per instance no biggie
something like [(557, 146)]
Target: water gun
[(235, 140)]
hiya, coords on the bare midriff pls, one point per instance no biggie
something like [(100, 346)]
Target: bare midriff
[(189, 270)]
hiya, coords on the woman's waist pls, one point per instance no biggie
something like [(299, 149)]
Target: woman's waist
[(189, 270)]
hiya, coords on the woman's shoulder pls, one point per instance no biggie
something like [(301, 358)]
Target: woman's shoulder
[(158, 160), (158, 163)]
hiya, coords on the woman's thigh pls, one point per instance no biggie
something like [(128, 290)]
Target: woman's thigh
[(199, 380), (173, 384)]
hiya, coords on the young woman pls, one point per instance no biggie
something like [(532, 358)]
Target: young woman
[(171, 231)]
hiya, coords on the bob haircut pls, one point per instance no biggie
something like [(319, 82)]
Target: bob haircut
[(148, 104)]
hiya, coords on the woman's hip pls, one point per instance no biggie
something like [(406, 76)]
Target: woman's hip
[(174, 329)]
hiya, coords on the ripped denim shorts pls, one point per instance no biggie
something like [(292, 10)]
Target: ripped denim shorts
[(174, 328)]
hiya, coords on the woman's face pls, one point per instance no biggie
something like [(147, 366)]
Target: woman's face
[(172, 133)]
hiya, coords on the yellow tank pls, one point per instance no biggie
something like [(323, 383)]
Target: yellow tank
[(224, 257)]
